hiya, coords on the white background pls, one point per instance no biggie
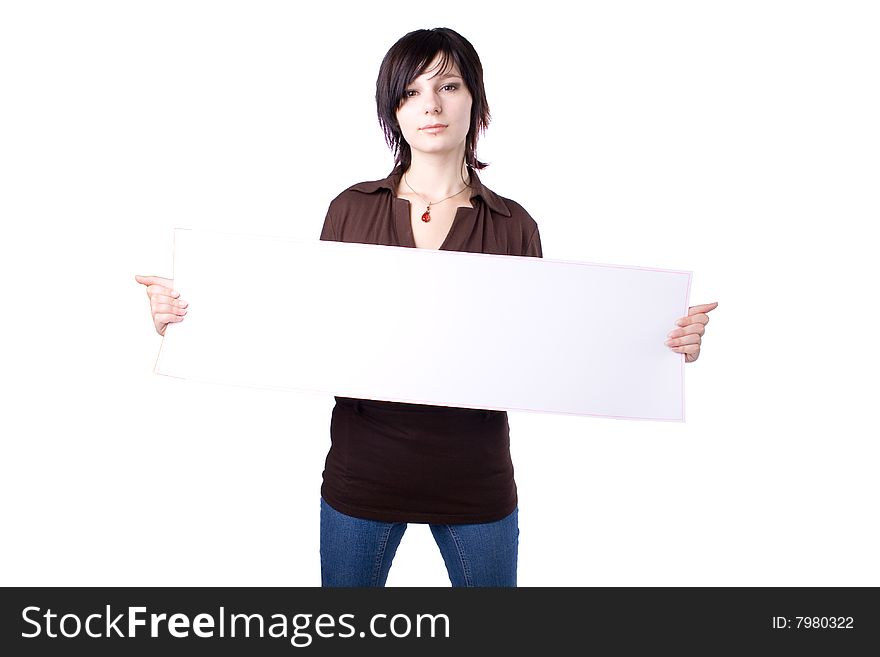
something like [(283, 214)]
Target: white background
[(736, 140)]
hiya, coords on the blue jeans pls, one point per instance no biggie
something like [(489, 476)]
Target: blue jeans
[(358, 552)]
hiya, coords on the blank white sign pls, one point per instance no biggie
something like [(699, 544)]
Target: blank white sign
[(426, 326)]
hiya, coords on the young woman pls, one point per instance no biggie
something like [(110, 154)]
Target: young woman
[(390, 463)]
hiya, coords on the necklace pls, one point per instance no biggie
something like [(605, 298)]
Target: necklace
[(426, 216)]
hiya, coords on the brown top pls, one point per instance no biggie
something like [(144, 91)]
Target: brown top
[(399, 462)]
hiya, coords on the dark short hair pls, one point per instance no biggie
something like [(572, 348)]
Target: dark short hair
[(409, 58)]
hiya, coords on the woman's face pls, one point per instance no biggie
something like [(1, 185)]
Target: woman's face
[(435, 114)]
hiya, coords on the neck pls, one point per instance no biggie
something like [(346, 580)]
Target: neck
[(436, 176)]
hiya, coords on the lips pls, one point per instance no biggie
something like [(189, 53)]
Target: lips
[(433, 126)]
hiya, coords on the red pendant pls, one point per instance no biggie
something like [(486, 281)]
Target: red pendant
[(427, 216)]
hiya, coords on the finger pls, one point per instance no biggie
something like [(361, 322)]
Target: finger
[(684, 340), (154, 280), (697, 328), (167, 318), (171, 301), (168, 309), (703, 308), (692, 349), (154, 290), (693, 319)]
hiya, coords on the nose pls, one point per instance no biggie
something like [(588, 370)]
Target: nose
[(432, 105)]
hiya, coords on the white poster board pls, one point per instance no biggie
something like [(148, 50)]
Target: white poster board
[(426, 326)]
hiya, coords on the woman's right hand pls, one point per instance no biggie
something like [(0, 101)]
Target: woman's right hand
[(165, 303)]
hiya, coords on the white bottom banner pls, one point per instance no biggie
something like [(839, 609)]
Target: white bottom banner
[(425, 326)]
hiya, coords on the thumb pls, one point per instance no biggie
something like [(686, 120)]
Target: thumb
[(154, 280)]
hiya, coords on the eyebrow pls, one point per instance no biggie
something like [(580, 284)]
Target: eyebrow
[(445, 76)]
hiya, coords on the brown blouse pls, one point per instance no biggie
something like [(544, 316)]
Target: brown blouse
[(399, 462)]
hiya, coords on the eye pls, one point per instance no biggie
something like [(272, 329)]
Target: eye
[(409, 93), (450, 87)]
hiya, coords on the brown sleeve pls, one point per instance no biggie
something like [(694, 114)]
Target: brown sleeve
[(328, 232), (533, 248)]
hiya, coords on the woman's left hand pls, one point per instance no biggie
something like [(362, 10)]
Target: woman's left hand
[(688, 334)]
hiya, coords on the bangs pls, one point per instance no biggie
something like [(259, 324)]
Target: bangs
[(419, 60), (447, 61)]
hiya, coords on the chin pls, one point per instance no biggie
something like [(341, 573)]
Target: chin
[(438, 144)]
